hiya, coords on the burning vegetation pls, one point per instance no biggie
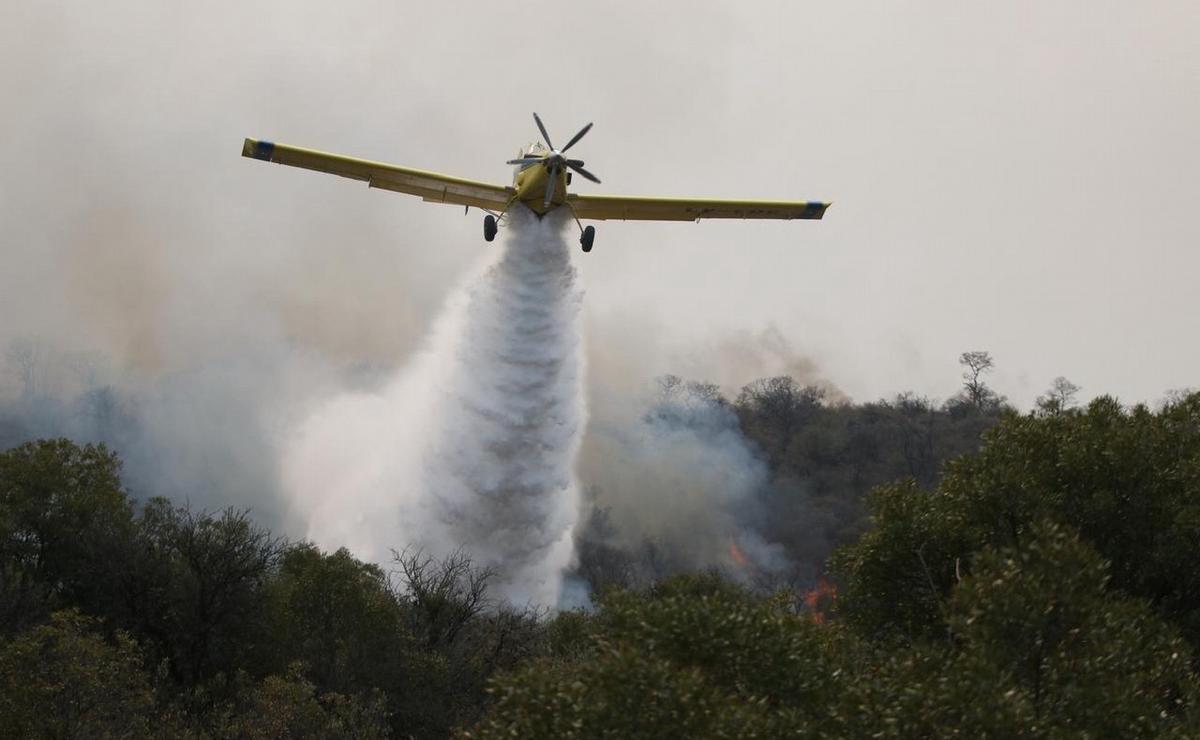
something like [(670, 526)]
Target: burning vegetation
[(820, 600)]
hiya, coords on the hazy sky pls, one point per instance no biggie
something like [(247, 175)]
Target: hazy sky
[(1019, 177)]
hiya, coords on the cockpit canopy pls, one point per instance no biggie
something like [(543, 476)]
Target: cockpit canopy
[(535, 149)]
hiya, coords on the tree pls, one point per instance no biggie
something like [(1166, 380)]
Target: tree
[(977, 393), (464, 638), (289, 706), (62, 679), (1037, 646), (1125, 479), (1039, 619), (64, 519), (1059, 398), (820, 462), (772, 410), (896, 577), (696, 656), (602, 564), (339, 617), (620, 693), (445, 594), (198, 587)]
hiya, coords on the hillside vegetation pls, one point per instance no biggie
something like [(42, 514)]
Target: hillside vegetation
[(1038, 581)]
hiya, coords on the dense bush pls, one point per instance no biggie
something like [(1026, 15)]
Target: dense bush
[(1043, 586), (1127, 479), (1036, 646), (207, 625)]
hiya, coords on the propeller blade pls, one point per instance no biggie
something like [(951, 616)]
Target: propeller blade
[(542, 128), (550, 183), (584, 172), (575, 162), (525, 160), (576, 137)]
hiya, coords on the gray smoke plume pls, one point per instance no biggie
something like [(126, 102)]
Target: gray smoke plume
[(675, 473), (472, 445)]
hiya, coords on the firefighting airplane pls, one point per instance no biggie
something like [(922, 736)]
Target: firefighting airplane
[(542, 174)]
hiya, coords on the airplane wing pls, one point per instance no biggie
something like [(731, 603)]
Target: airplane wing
[(635, 208), (431, 186)]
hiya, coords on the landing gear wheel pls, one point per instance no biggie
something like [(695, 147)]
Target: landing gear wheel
[(489, 228), (586, 239)]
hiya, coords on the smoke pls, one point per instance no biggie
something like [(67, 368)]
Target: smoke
[(673, 484), (473, 444), (675, 473), (208, 433)]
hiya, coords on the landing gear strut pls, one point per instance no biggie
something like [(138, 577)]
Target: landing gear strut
[(489, 227), (587, 237)]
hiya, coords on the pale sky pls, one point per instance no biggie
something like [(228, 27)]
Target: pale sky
[(1018, 177)]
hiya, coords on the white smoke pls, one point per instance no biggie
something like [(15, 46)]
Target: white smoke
[(676, 471), (473, 445)]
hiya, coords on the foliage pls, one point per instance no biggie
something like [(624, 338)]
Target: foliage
[(823, 457), (1040, 617), (750, 646), (696, 656), (337, 615), (616, 693), (1127, 480), (463, 638), (288, 706), (1059, 398), (355, 633), (62, 679), (63, 517), (975, 392), (895, 579), (826, 458), (1043, 586), (445, 594), (1036, 647), (196, 587)]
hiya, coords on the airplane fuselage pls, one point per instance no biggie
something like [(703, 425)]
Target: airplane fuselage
[(530, 184)]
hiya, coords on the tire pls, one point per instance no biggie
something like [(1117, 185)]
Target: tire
[(489, 227), (586, 239)]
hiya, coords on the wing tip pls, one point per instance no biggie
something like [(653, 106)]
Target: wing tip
[(815, 210), (256, 149)]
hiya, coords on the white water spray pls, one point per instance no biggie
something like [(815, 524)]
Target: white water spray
[(472, 445)]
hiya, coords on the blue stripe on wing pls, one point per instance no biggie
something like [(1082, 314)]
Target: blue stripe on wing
[(264, 150)]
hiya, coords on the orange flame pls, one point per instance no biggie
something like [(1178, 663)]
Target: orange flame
[(737, 555), (819, 600)]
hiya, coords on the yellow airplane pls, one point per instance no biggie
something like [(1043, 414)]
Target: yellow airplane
[(542, 174)]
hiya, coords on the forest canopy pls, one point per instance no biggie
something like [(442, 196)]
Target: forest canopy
[(979, 572)]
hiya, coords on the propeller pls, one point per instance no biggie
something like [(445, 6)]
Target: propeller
[(542, 127), (555, 161)]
